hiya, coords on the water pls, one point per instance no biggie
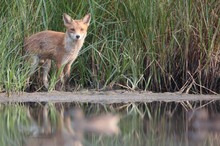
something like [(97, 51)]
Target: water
[(141, 124)]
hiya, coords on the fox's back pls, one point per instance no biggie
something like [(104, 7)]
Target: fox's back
[(44, 41)]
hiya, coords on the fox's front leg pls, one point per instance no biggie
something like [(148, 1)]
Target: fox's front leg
[(60, 82), (66, 72)]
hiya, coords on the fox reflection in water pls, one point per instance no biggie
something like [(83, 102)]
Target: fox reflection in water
[(201, 125), (70, 128)]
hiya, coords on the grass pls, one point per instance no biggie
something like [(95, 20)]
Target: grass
[(159, 45), (12, 117)]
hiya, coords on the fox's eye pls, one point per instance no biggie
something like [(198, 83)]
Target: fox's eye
[(72, 29), (82, 29)]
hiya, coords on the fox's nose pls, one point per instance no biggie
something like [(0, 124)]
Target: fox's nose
[(77, 36)]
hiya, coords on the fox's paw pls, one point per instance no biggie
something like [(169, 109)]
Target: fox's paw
[(59, 86)]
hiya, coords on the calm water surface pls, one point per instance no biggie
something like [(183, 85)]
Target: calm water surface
[(137, 124)]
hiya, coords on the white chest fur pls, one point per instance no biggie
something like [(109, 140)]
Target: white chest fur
[(72, 49)]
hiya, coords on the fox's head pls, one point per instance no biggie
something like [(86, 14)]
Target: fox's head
[(76, 29)]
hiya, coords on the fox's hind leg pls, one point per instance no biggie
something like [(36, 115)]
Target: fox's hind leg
[(34, 64), (46, 68), (34, 61)]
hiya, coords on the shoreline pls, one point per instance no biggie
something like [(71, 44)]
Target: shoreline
[(105, 97)]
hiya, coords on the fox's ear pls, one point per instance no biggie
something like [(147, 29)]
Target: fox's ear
[(86, 19), (67, 19)]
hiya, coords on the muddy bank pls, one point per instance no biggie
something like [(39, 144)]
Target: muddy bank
[(117, 96)]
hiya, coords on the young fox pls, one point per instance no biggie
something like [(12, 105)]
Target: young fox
[(61, 47)]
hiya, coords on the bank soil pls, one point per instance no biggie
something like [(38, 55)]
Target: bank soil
[(107, 97)]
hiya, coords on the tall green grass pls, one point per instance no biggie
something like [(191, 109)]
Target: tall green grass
[(159, 45)]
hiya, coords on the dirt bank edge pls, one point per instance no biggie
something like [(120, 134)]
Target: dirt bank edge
[(107, 97)]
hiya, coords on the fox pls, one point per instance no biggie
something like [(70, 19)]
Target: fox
[(61, 47), (70, 128)]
